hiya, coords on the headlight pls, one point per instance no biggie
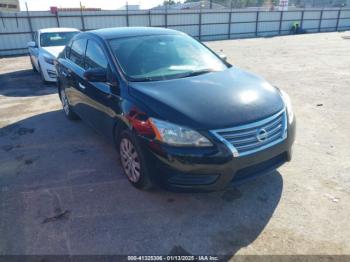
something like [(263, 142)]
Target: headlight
[(288, 104), (178, 135), (49, 60)]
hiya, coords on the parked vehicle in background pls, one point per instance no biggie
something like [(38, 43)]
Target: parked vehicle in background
[(178, 114), (45, 48)]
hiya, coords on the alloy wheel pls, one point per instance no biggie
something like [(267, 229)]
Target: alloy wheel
[(130, 160)]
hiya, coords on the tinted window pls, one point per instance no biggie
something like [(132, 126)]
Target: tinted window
[(159, 57), (77, 52), (95, 57)]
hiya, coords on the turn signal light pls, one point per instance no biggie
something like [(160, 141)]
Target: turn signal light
[(141, 123)]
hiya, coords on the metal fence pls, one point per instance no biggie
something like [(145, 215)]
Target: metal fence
[(16, 29)]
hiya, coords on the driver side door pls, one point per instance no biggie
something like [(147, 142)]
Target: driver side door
[(98, 96)]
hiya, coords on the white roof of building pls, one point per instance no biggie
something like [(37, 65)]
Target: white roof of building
[(57, 29)]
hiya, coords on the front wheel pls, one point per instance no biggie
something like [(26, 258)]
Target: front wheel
[(133, 162), (45, 82), (66, 106), (33, 66)]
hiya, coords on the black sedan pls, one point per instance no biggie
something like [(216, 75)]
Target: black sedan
[(179, 114)]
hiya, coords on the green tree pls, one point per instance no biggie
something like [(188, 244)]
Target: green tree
[(169, 2), (240, 3), (233, 3)]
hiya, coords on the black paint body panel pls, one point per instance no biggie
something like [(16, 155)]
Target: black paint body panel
[(206, 102)]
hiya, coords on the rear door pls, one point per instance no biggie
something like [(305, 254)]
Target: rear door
[(63, 67), (73, 71)]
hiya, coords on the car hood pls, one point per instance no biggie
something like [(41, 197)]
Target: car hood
[(210, 101), (53, 50)]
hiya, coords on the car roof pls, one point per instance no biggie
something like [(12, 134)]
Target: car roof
[(120, 32), (57, 29)]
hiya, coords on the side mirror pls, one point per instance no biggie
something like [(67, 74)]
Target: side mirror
[(32, 44), (222, 56), (96, 75)]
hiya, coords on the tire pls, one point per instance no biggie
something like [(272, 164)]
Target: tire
[(33, 66), (133, 162), (43, 77), (67, 109)]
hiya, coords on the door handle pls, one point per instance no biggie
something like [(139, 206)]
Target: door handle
[(82, 86)]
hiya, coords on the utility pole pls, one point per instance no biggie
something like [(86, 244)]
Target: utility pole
[(29, 22), (127, 13), (82, 17)]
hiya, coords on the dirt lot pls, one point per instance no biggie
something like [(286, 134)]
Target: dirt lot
[(50, 166)]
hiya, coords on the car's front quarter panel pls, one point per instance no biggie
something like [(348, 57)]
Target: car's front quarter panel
[(34, 56), (48, 70)]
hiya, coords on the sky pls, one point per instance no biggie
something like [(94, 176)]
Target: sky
[(38, 5)]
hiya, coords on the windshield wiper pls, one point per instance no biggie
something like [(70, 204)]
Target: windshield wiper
[(181, 75), (145, 79), (199, 72)]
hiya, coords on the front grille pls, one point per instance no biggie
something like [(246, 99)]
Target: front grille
[(248, 139)]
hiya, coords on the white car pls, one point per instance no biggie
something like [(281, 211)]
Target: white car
[(45, 48)]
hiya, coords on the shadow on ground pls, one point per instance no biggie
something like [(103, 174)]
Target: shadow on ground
[(24, 83), (63, 192)]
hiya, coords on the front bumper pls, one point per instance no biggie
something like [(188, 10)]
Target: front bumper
[(49, 72), (215, 168)]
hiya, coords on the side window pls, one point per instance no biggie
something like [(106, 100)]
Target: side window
[(77, 52), (95, 58)]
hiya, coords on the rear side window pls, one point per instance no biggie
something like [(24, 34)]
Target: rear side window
[(95, 57), (66, 50), (77, 52)]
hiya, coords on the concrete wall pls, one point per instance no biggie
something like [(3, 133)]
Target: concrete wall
[(16, 28)]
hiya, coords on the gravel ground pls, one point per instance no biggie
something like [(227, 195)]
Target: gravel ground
[(62, 190)]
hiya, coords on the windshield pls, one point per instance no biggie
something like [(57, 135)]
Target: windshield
[(56, 39), (159, 57)]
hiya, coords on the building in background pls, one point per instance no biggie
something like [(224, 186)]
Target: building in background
[(251, 4), (283, 5), (195, 5), (55, 9), (9, 6), (130, 7), (320, 3)]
